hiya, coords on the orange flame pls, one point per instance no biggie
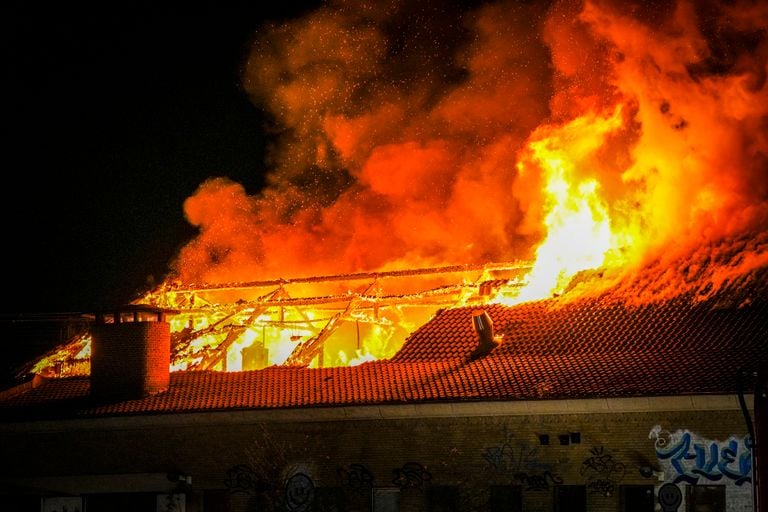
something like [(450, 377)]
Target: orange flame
[(579, 235), (406, 146)]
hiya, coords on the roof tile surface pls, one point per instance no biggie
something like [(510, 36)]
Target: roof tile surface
[(592, 347)]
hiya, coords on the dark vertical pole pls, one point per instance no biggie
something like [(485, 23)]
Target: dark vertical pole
[(761, 437)]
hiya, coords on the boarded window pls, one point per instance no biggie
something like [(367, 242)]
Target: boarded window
[(570, 498), (506, 498), (637, 498), (54, 504), (386, 500), (706, 498)]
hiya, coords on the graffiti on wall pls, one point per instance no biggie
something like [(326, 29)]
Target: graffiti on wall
[(602, 472), (356, 477), (521, 461), (242, 478), (299, 493), (411, 475), (510, 457), (538, 481), (670, 498), (692, 458)]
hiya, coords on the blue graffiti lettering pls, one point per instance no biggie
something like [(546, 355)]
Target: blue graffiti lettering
[(705, 465), (708, 460)]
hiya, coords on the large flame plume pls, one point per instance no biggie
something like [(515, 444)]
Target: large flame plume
[(618, 136), (411, 135)]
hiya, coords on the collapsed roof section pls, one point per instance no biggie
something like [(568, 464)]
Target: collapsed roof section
[(319, 321)]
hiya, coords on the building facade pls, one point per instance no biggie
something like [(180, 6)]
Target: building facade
[(598, 404)]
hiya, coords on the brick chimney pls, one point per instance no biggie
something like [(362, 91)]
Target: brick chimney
[(130, 353)]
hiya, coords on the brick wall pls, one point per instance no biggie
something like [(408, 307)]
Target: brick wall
[(471, 453), (129, 360)]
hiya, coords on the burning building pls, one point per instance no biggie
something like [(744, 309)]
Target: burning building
[(402, 367), (603, 400)]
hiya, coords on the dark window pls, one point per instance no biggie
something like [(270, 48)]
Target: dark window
[(570, 498), (506, 498), (120, 502), (442, 498), (329, 499), (706, 498), (637, 498), (21, 503), (216, 500)]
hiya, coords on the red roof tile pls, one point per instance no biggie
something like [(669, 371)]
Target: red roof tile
[(601, 346)]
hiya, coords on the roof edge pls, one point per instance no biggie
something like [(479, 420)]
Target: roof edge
[(392, 412)]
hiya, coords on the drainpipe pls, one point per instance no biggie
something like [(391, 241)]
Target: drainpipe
[(760, 454)]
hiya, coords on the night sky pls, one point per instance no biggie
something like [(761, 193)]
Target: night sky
[(112, 119)]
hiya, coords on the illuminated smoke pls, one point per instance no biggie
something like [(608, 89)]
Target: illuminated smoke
[(398, 130)]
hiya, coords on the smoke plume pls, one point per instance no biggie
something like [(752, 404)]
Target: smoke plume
[(398, 129)]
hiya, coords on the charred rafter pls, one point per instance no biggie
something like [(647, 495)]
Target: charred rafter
[(358, 276)]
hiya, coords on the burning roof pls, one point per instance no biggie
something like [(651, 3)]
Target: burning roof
[(337, 320), (311, 322), (620, 148), (701, 342)]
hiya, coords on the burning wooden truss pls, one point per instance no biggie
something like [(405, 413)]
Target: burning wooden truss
[(335, 320)]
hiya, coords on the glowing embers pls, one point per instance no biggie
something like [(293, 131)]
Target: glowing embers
[(67, 360), (324, 321), (254, 338)]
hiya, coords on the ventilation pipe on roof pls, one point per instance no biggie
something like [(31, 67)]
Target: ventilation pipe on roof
[(483, 325)]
